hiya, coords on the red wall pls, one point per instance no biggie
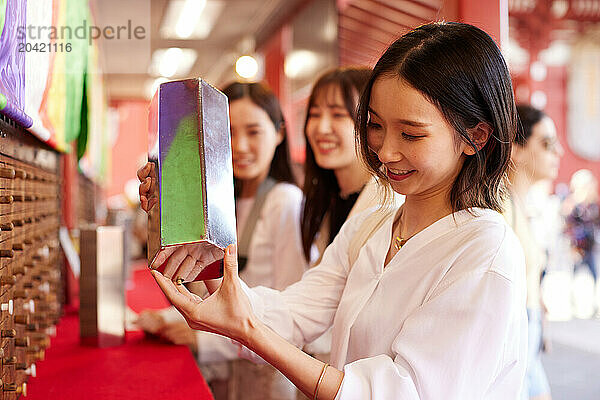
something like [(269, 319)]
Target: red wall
[(131, 145)]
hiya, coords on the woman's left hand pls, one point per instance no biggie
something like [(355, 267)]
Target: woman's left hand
[(227, 311), (186, 261), (150, 321), (180, 333)]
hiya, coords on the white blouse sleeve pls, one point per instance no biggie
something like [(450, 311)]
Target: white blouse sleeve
[(284, 207), (471, 317), (305, 310), (275, 256)]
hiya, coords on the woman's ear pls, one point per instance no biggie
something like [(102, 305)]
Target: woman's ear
[(479, 136), (280, 135)]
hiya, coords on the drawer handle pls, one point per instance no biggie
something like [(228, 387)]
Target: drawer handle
[(8, 333), (8, 280), (8, 173), (7, 253)]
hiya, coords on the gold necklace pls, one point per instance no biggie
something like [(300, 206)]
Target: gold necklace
[(399, 241)]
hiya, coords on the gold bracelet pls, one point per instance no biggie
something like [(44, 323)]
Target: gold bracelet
[(320, 380)]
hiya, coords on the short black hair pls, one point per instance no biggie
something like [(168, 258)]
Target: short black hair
[(529, 116), (459, 68)]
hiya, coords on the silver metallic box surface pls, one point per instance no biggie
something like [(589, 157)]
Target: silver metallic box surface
[(192, 177)]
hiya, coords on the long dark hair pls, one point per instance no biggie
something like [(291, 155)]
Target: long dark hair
[(459, 68), (321, 189), (262, 96), (528, 118)]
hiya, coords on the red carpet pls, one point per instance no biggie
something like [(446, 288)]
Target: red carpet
[(141, 368)]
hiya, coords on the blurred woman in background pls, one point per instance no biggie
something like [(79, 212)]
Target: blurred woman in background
[(536, 156), (335, 177)]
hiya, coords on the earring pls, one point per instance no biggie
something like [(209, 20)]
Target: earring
[(469, 151)]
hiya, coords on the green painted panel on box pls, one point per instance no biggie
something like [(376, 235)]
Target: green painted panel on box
[(181, 181)]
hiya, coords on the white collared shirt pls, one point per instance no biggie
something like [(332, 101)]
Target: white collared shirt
[(275, 255), (445, 319)]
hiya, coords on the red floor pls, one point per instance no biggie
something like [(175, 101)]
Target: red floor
[(141, 368)]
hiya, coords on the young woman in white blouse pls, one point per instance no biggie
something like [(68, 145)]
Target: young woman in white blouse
[(430, 303), (268, 206)]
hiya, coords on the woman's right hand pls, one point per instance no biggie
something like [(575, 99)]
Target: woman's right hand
[(147, 190)]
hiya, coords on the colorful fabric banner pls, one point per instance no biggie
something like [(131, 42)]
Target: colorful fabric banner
[(95, 161), (12, 61), (75, 63), (38, 70), (49, 78)]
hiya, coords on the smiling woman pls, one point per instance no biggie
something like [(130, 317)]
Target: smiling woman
[(334, 174), (418, 149)]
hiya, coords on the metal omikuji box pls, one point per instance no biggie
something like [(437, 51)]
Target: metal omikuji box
[(192, 178)]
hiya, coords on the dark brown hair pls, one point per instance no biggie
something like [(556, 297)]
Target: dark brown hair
[(528, 118), (262, 96), (459, 68), (321, 189)]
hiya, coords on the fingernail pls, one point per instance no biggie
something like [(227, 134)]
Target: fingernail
[(156, 274), (231, 249)]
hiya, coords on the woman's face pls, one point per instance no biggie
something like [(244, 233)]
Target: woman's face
[(412, 139), (330, 130), (539, 158), (253, 139)]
